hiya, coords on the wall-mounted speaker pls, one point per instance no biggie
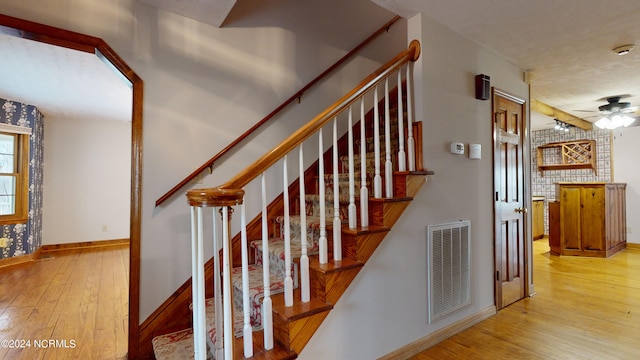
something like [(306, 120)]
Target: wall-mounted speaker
[(483, 87)]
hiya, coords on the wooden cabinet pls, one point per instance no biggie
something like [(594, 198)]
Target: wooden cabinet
[(591, 219), (554, 228), (537, 217)]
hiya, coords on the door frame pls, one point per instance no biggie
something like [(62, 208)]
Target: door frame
[(526, 183), (68, 39)]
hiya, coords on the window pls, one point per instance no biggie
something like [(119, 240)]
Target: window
[(14, 178)]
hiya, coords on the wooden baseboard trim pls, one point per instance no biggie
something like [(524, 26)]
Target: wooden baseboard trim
[(15, 260), (59, 247), (633, 246), (83, 245), (418, 346)]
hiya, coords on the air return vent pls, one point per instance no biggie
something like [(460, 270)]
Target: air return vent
[(448, 266)]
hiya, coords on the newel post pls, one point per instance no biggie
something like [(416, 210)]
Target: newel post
[(223, 199)]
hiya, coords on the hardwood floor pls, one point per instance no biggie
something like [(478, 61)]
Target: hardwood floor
[(584, 308), (70, 304)]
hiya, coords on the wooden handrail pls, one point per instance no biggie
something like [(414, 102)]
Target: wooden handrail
[(209, 196), (297, 95)]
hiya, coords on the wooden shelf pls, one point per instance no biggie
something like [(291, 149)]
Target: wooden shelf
[(579, 154)]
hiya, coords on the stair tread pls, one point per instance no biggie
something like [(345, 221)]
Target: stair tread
[(334, 266), (175, 345), (391, 200), (299, 309), (276, 248), (179, 345), (259, 353), (256, 291), (365, 230)]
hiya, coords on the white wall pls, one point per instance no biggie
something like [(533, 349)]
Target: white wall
[(625, 155), (385, 308), (87, 180), (204, 86)]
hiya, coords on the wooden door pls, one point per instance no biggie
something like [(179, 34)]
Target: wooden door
[(509, 207)]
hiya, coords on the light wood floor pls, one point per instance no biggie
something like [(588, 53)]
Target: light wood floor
[(78, 298), (584, 308)]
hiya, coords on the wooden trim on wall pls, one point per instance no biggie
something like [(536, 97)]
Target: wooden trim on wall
[(633, 246), (83, 245), (422, 344), (39, 253), (73, 40), (16, 260)]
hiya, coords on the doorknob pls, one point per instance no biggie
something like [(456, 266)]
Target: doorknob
[(521, 210)]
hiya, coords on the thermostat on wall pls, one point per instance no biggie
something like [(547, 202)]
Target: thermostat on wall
[(457, 148)]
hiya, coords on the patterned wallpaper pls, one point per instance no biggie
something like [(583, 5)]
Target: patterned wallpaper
[(26, 238), (544, 184)]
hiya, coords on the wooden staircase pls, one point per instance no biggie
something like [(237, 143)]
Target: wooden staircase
[(293, 326)]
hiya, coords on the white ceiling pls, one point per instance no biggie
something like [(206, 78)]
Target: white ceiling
[(62, 83), (565, 44)]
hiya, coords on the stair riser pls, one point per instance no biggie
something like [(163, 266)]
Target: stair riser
[(407, 185), (361, 247), (384, 213), (295, 334), (330, 287)]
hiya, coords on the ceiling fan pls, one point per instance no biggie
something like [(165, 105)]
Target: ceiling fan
[(616, 114), (615, 106)]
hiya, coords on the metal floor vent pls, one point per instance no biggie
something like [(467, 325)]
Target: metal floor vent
[(448, 266)]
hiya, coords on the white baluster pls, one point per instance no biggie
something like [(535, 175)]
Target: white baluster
[(402, 165), (410, 141), (217, 288), (388, 171), (197, 285), (322, 243), (364, 192), (226, 286), (267, 307), (377, 179), (288, 280), (305, 290), (246, 309), (337, 225), (352, 186)]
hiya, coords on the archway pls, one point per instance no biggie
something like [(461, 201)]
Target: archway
[(72, 40)]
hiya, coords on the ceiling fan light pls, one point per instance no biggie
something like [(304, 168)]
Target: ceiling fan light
[(616, 121), (604, 123), (627, 120)]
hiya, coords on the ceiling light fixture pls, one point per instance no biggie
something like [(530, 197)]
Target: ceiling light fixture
[(562, 126), (614, 121), (623, 50)]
